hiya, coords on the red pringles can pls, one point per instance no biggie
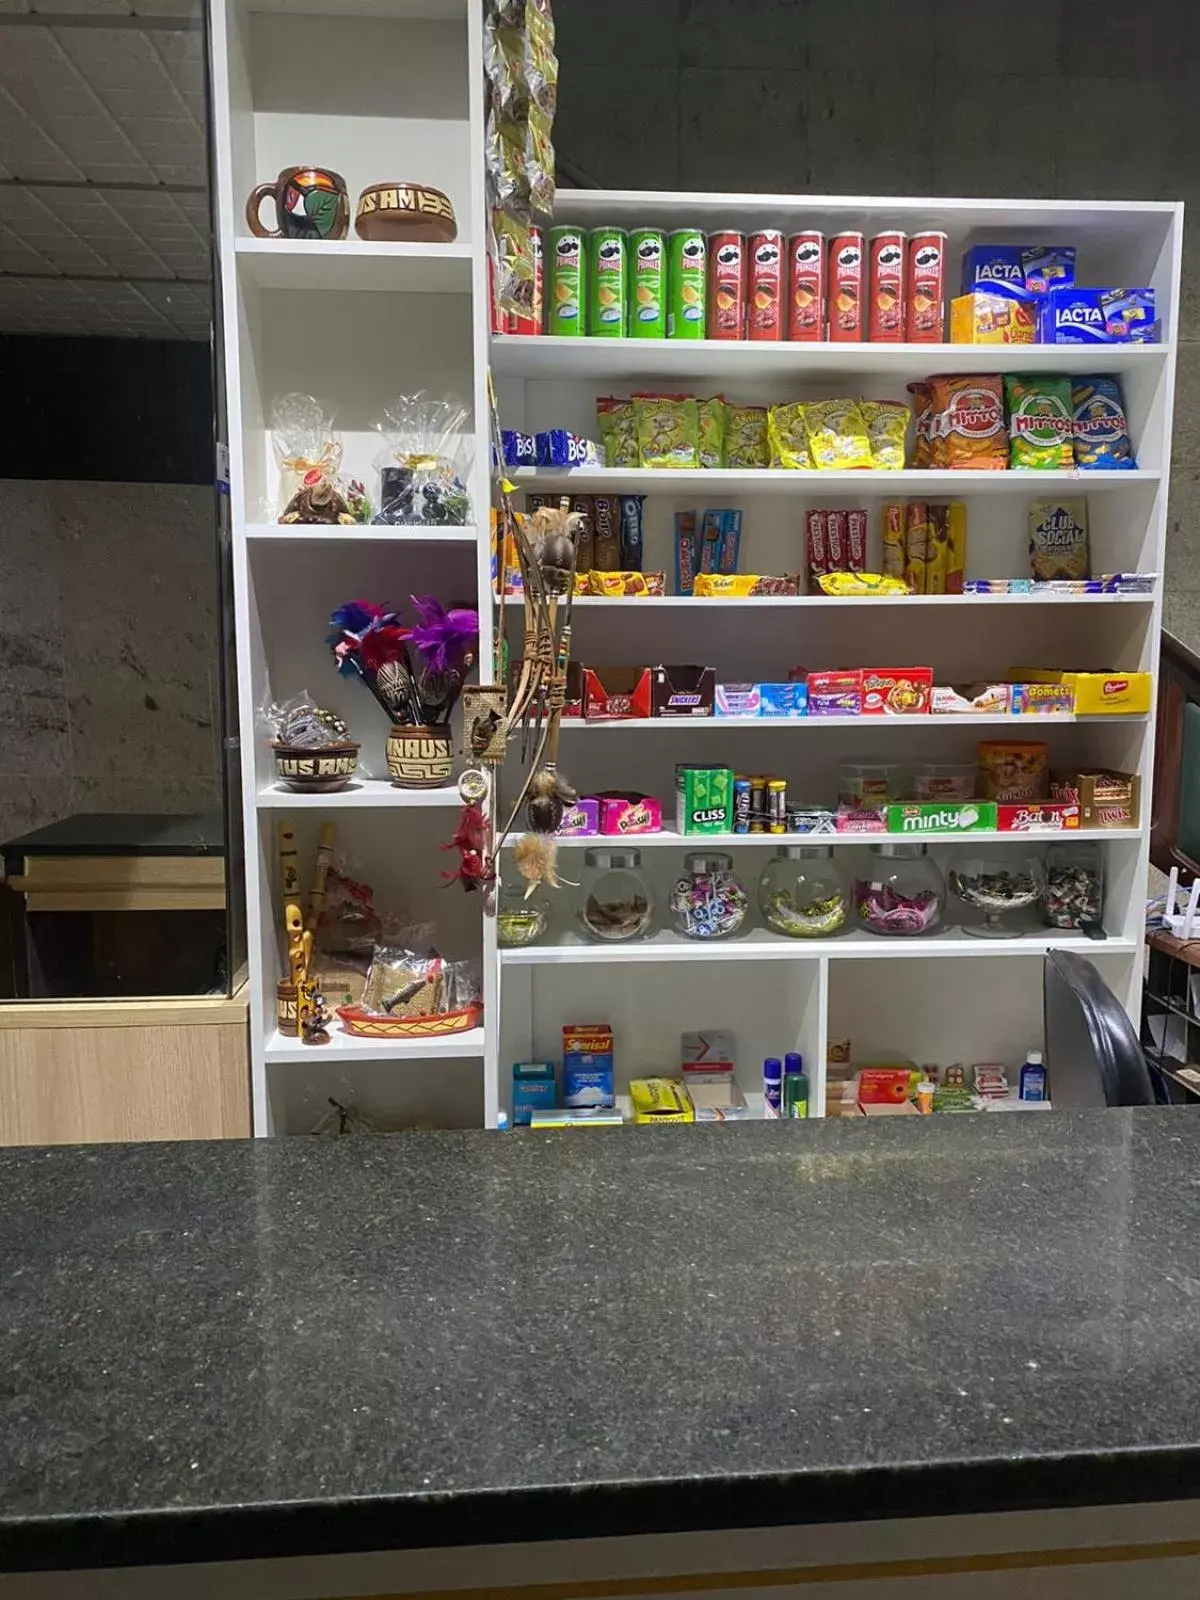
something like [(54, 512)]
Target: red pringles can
[(806, 285), (764, 312), (726, 286), (885, 288), (846, 288), (533, 322), (925, 292)]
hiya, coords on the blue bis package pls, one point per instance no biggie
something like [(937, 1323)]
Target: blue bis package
[(1097, 316), (558, 447)]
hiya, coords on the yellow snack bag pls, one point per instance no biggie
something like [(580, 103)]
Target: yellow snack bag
[(746, 437), (861, 583), (668, 430), (787, 435), (837, 435), (728, 585), (887, 429)]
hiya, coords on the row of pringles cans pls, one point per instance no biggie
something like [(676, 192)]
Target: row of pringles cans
[(646, 284)]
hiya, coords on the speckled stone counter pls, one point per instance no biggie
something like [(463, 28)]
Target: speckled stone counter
[(223, 1350)]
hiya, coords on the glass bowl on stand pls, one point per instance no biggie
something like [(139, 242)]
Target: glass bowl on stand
[(997, 887)]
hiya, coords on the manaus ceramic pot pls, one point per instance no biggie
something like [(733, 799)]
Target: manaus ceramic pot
[(306, 771), (310, 203), (405, 211), (419, 757)]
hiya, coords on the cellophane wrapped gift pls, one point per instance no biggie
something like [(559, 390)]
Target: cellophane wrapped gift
[(308, 453), (421, 469)]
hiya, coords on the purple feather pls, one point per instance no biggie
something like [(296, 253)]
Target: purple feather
[(446, 639), (356, 616)]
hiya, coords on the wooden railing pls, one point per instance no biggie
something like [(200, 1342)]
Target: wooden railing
[(1178, 687)]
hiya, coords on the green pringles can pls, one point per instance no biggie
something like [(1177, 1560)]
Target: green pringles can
[(566, 283), (608, 282), (687, 283), (647, 312)]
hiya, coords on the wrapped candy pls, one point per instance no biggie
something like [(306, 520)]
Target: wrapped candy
[(522, 92), (304, 725), (420, 472), (308, 453)]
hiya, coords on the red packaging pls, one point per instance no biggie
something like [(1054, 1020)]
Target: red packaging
[(846, 288), (837, 532), (806, 286), (896, 691), (726, 286), (886, 288), (856, 541), (816, 543), (1039, 814), (533, 322), (925, 290), (616, 694), (834, 694), (764, 317)]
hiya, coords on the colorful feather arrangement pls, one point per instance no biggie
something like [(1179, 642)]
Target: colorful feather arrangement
[(415, 674)]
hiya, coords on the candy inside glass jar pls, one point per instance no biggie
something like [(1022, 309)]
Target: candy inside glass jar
[(902, 892), (519, 920), (1074, 885), (801, 893), (996, 887), (870, 785), (616, 904), (708, 901)]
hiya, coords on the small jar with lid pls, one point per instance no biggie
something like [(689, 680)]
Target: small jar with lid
[(801, 892), (1074, 885), (616, 904), (709, 900), (902, 892), (521, 918)]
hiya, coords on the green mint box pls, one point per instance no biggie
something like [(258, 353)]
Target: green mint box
[(964, 816), (703, 800)]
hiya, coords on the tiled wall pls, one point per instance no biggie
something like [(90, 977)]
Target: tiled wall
[(1066, 98), (108, 650)]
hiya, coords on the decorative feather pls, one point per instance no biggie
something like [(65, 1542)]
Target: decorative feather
[(549, 796), (381, 646), (356, 616), (447, 639), (536, 859)]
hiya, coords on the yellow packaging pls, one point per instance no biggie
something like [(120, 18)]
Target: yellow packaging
[(660, 1100), (887, 428), (893, 540), (627, 584), (725, 585), (787, 436), (512, 569), (837, 436), (939, 550), (1124, 694), (860, 583), (982, 318), (956, 539), (918, 541)]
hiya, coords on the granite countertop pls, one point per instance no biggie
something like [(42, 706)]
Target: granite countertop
[(294, 1346)]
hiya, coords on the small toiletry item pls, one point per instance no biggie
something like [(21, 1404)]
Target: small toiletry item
[(1033, 1077), (588, 1065), (795, 1086), (772, 1087), (533, 1089)]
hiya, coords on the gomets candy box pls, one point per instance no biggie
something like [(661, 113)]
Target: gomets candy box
[(1097, 693)]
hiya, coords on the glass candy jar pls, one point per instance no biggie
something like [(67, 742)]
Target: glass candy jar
[(801, 893), (709, 900), (1010, 882), (520, 920), (615, 900), (1074, 885), (902, 891)]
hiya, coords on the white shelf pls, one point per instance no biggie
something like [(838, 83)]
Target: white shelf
[(363, 794), (954, 719), (779, 480), (355, 264), (548, 357), (356, 533), (762, 945), (402, 10), (344, 1048), (670, 840), (824, 601)]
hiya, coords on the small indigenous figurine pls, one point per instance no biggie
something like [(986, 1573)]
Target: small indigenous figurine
[(315, 1020)]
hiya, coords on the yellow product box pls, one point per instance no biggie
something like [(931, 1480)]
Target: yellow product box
[(660, 1100), (983, 318), (1122, 694)]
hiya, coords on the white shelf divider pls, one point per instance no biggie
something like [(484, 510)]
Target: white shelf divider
[(355, 265), (907, 484), (363, 794)]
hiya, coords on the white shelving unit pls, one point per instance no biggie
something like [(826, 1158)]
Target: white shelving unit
[(383, 89)]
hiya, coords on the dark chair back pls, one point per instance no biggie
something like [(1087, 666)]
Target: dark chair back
[(1092, 1051)]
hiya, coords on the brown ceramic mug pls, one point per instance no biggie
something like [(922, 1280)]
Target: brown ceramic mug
[(310, 203)]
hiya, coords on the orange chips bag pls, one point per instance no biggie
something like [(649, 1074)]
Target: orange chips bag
[(967, 426)]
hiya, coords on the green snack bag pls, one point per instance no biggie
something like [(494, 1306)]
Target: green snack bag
[(668, 430), (617, 422), (746, 437), (712, 421), (1040, 421)]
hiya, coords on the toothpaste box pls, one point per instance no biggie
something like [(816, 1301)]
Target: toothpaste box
[(588, 1065), (533, 1089), (1097, 316)]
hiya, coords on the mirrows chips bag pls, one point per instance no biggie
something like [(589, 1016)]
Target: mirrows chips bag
[(1039, 421)]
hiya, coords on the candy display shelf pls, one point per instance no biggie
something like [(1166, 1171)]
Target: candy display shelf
[(383, 89), (669, 840), (674, 602), (632, 359), (1026, 726)]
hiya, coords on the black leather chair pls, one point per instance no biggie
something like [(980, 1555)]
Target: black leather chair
[(1093, 1055)]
